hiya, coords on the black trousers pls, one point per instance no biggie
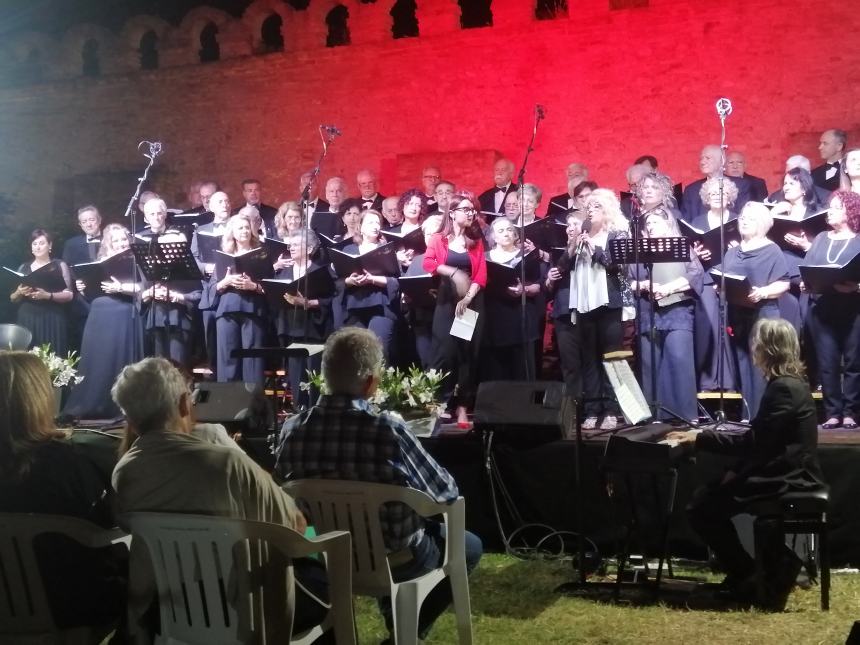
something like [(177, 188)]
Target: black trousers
[(601, 331), (569, 340), (834, 329)]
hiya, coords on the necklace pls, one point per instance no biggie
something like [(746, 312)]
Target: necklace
[(830, 248)]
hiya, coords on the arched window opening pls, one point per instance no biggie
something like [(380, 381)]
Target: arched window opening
[(404, 22), (90, 58), (271, 35), (338, 29), (550, 9), (475, 13), (149, 50), (210, 50)]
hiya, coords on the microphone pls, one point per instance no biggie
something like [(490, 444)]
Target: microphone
[(586, 228), (331, 130), (154, 148), (540, 112), (724, 108)]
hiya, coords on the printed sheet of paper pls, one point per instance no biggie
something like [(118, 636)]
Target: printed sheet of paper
[(464, 326)]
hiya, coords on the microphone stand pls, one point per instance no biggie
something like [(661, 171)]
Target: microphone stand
[(131, 211), (540, 114), (327, 135)]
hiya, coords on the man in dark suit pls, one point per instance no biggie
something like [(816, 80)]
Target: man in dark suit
[(736, 165), (493, 199), (252, 192), (315, 204), (710, 163), (444, 192), (329, 222), (634, 174), (430, 177), (370, 197), (560, 205), (831, 147), (85, 247)]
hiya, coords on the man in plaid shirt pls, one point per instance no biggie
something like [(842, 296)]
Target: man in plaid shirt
[(342, 438)]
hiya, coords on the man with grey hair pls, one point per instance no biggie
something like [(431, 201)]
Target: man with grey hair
[(634, 175), (330, 223), (168, 470), (370, 197), (392, 214), (560, 205), (736, 166), (711, 165), (342, 437), (831, 147), (493, 200)]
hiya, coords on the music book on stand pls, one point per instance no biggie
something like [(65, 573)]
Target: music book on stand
[(48, 278), (166, 261)]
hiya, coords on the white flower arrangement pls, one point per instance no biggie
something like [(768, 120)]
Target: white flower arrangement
[(62, 370), (405, 391)]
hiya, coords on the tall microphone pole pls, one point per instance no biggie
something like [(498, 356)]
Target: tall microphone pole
[(540, 115), (724, 109), (151, 150)]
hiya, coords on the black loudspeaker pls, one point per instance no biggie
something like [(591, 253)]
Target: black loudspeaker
[(240, 407), (534, 410)]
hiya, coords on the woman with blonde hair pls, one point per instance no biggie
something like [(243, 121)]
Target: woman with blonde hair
[(777, 455), (113, 335), (598, 295), (240, 308), (42, 471)]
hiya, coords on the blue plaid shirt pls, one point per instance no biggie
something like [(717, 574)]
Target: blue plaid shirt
[(342, 438)]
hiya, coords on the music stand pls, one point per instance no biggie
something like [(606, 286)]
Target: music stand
[(165, 262), (650, 251)]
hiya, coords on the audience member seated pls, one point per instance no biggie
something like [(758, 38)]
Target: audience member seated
[(167, 470), (327, 442), (42, 471)]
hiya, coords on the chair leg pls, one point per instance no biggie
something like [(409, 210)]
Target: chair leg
[(462, 606), (405, 608), (824, 566), (758, 542)]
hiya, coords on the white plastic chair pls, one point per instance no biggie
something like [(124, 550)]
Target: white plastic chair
[(25, 615), (354, 506), (14, 337), (227, 581)]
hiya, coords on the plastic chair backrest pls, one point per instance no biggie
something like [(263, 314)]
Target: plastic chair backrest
[(14, 337)]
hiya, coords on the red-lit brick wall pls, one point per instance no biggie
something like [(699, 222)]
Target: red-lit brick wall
[(616, 84)]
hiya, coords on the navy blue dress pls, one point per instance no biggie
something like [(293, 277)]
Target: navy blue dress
[(47, 319)]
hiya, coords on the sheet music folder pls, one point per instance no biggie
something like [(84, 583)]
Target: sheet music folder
[(710, 240), (48, 278), (820, 278), (629, 395)]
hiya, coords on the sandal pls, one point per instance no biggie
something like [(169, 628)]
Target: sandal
[(609, 423), (590, 423), (849, 424), (831, 424)]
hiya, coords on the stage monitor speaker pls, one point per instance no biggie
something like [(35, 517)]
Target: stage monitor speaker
[(240, 407), (539, 410)]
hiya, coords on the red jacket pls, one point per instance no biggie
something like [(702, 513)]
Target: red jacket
[(437, 253)]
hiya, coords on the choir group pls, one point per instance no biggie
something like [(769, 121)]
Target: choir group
[(412, 267)]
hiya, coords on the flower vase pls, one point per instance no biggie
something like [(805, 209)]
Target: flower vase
[(58, 400), (419, 422)]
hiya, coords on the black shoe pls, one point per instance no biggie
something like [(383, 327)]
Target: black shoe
[(779, 582)]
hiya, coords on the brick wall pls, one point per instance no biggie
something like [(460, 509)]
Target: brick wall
[(616, 84)]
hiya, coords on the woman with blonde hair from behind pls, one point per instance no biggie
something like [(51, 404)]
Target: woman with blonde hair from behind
[(42, 471), (776, 455)]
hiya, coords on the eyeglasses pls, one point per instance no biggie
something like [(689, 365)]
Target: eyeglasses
[(466, 210), (432, 177)]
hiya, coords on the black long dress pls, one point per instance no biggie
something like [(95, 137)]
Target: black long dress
[(47, 319), (113, 338)]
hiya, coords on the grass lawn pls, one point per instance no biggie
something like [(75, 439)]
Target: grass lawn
[(513, 602)]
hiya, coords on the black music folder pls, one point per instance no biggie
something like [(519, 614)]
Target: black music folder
[(710, 240), (420, 289), (331, 243), (501, 276), (545, 233), (254, 264), (48, 278), (275, 249), (413, 240), (380, 261), (207, 244), (820, 278), (737, 288), (811, 226), (120, 266), (316, 283)]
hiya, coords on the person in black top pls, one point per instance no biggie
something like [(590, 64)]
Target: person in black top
[(370, 197), (761, 262), (736, 166), (833, 320), (42, 471), (252, 192), (302, 319), (44, 312), (492, 200), (776, 455)]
